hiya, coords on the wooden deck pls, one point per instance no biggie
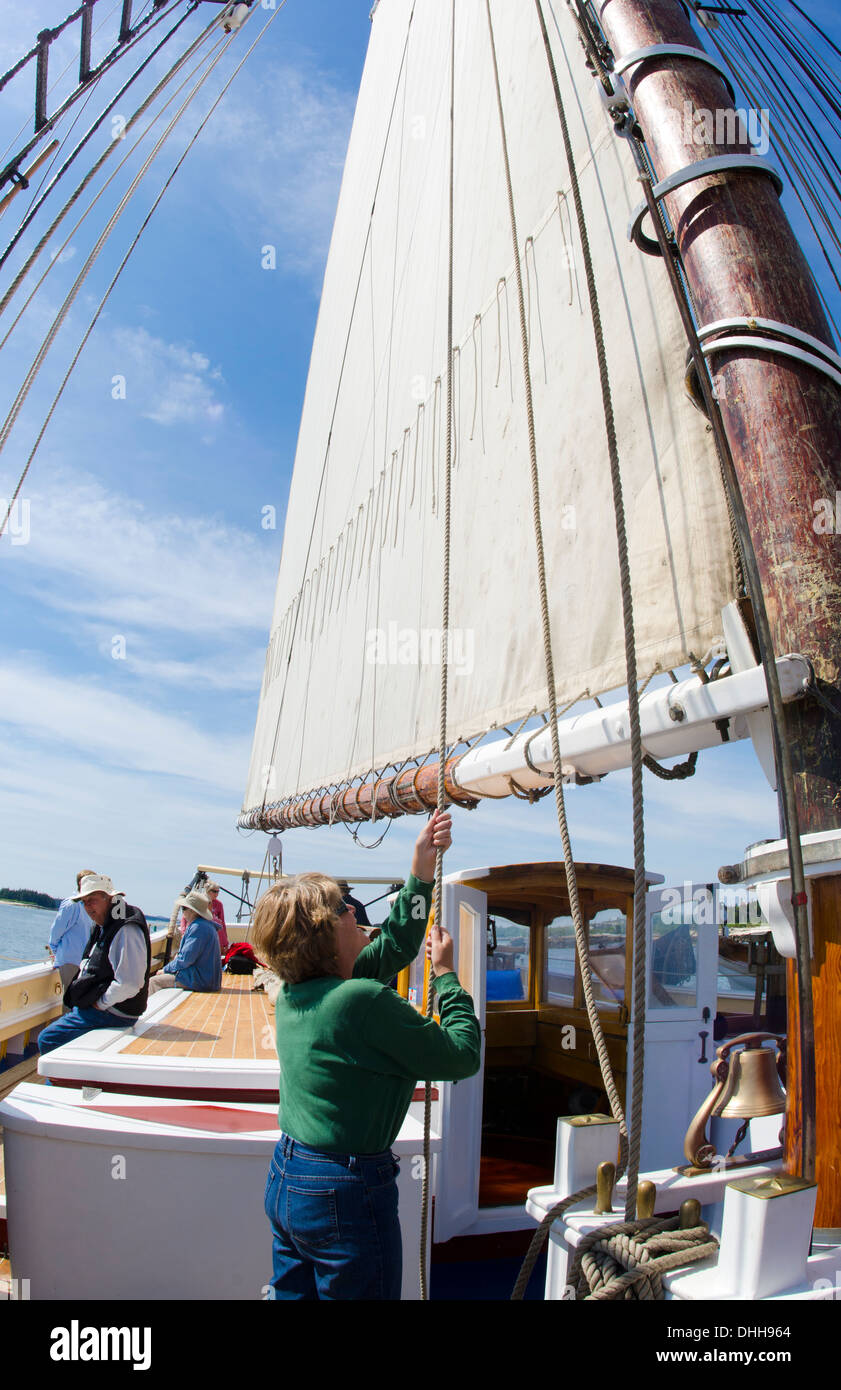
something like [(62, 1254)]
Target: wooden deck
[(238, 1023)]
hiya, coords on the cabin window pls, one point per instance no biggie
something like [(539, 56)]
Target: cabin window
[(673, 976), (606, 934), (559, 963), (507, 978)]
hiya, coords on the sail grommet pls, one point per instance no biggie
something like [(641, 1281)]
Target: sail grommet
[(675, 50), (717, 164)]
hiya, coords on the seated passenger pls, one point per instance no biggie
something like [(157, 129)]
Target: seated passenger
[(109, 990), (198, 965)]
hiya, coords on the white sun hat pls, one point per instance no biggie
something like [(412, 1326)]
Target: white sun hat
[(96, 883), (196, 902)]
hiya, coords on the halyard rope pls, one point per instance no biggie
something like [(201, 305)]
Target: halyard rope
[(445, 629), (629, 1155)]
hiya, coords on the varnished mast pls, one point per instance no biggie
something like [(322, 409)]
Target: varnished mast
[(782, 419)]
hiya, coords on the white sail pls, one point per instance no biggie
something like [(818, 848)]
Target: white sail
[(352, 673)]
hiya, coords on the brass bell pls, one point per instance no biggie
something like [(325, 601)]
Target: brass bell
[(748, 1086), (753, 1085)]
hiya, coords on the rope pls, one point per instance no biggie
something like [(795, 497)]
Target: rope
[(671, 774), (628, 1260), (40, 356), (629, 1152), (74, 197), (572, 883), (445, 627), (92, 130), (630, 658)]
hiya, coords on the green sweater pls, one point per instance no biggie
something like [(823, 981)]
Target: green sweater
[(352, 1051)]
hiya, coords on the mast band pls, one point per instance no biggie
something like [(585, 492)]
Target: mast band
[(717, 164), (805, 348), (675, 50)]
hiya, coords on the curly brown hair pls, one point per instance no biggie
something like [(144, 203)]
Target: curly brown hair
[(293, 927)]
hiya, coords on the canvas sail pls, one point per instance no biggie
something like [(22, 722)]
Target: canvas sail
[(352, 675)]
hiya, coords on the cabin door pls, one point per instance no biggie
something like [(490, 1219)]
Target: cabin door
[(457, 1182), (681, 979)]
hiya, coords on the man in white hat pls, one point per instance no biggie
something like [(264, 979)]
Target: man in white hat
[(198, 965), (111, 988), (69, 935)]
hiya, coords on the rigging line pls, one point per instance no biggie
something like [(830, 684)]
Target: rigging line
[(54, 261), (800, 38), (530, 242), (92, 130), (806, 123), (629, 1148), (341, 377), (399, 487), (798, 55), (142, 228), (62, 142), (782, 752), (60, 317), (438, 899), (456, 401), (91, 92), (421, 408), (788, 160), (54, 33), (145, 27), (52, 88), (824, 35), (742, 39)]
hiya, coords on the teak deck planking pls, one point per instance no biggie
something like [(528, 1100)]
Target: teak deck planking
[(237, 1022)]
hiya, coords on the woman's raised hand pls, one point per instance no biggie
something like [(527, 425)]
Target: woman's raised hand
[(436, 834)]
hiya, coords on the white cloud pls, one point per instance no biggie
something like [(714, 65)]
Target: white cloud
[(104, 556), (288, 129), (115, 730), (172, 381), (213, 674)]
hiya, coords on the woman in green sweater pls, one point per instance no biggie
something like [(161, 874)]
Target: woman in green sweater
[(351, 1052)]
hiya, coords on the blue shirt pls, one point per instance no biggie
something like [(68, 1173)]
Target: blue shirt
[(69, 933), (198, 964)]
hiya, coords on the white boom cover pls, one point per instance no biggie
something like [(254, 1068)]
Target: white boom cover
[(352, 671)]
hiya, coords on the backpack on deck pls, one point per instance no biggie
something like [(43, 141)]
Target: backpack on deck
[(240, 959)]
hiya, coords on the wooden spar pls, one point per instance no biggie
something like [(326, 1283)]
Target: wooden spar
[(782, 419), (408, 792)]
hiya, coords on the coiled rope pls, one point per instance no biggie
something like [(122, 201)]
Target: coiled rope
[(628, 1260)]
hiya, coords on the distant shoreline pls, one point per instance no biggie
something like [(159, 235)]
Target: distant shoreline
[(13, 902)]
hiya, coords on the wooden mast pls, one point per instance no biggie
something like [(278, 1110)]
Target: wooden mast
[(782, 419)]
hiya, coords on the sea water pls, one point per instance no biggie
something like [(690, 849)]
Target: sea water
[(24, 933)]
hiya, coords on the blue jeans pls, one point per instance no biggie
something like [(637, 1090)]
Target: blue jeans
[(77, 1022), (335, 1225)]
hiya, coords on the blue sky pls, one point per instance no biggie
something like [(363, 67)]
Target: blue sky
[(134, 619)]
